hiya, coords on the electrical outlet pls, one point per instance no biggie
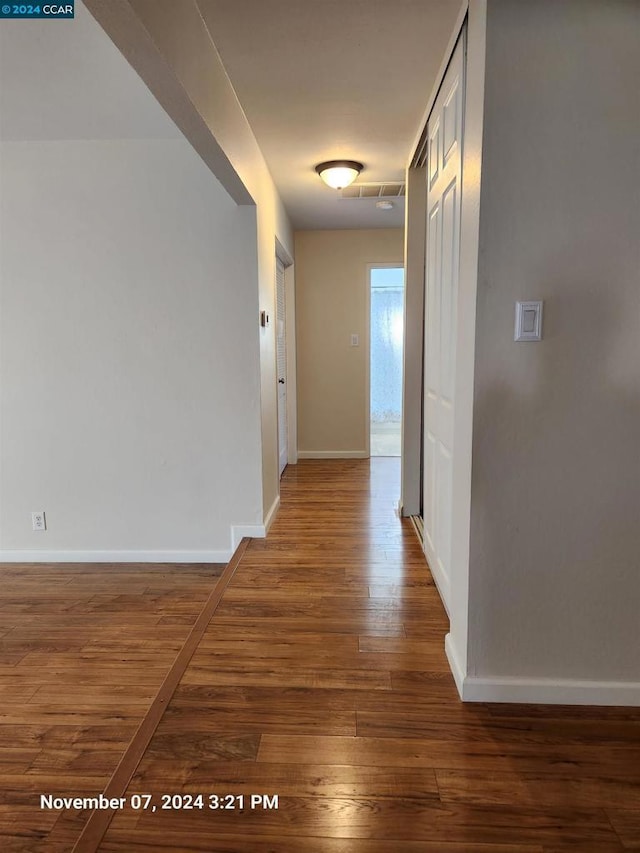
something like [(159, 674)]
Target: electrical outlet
[(39, 520)]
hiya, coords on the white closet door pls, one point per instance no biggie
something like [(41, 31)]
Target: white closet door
[(281, 366), (444, 174)]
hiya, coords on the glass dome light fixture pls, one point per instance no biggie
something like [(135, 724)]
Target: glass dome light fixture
[(339, 173)]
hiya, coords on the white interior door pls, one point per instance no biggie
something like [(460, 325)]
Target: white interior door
[(444, 173), (281, 366)]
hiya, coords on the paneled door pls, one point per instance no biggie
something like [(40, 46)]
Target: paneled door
[(281, 367), (444, 173)]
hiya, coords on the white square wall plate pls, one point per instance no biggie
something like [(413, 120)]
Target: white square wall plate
[(528, 321)]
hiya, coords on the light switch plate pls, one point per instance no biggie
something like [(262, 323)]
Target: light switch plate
[(528, 321)]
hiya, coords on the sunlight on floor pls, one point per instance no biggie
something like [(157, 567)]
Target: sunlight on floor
[(385, 439)]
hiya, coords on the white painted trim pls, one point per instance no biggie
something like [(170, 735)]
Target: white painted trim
[(332, 454), (282, 253), (415, 238), (541, 691), (453, 39), (292, 367), (42, 556), (239, 531), (254, 531), (367, 361), (455, 591), (473, 122), (280, 259), (454, 663), (291, 354), (270, 517), (442, 582), (550, 691)]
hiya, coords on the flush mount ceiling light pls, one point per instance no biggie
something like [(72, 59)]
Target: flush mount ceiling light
[(339, 173)]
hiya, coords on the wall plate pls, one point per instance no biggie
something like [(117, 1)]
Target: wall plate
[(528, 321)]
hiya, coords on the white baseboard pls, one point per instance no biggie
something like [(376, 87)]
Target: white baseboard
[(333, 454), (539, 691), (454, 664), (239, 531), (270, 517), (443, 585), (549, 691), (254, 531), (41, 556)]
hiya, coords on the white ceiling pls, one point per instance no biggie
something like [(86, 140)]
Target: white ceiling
[(328, 79)]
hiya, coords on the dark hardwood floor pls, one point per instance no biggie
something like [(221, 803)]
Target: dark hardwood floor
[(84, 650), (321, 678)]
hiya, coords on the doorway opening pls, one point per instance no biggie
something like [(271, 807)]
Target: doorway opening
[(386, 338)]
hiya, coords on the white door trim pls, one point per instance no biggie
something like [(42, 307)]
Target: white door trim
[(292, 391), (415, 239), (280, 316), (474, 16), (413, 360), (473, 119), (451, 46), (290, 335)]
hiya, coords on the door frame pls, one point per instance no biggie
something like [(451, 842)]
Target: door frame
[(410, 503), (290, 364), (415, 265), (387, 265), (472, 18)]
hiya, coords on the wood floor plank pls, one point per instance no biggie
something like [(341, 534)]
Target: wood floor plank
[(393, 820), (440, 753), (305, 720), (257, 645), (472, 724), (278, 676), (370, 625), (626, 822), (150, 840), (291, 780), (537, 789)]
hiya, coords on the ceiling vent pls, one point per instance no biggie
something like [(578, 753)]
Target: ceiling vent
[(387, 190)]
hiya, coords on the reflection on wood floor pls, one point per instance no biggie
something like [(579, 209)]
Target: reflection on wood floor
[(321, 678)]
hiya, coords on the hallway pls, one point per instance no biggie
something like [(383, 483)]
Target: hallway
[(321, 678)]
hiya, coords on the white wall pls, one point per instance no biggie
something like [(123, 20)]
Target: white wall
[(130, 396), (183, 56), (555, 539), (130, 383)]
